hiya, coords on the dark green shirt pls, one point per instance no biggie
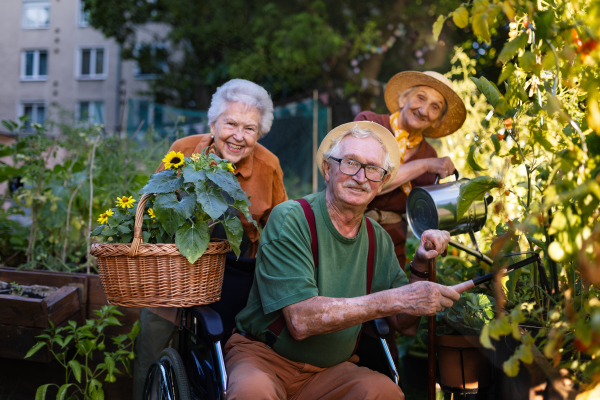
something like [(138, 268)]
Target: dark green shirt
[(285, 274)]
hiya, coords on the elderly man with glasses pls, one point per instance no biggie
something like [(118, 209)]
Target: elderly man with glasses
[(322, 270)]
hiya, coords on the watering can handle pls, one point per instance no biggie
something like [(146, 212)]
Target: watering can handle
[(437, 177)]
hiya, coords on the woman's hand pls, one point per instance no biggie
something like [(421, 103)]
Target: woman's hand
[(440, 166)]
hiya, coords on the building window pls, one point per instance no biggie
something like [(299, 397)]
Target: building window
[(151, 60), (83, 16), (36, 14), (92, 63), (35, 111), (91, 112), (34, 65)]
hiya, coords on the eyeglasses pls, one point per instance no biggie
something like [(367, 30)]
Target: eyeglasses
[(351, 167)]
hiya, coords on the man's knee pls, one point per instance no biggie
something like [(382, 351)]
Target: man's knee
[(251, 384), (377, 386)]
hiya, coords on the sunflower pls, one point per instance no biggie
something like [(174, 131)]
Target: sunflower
[(104, 217), (174, 160), (151, 213), (195, 157), (230, 167), (125, 202)]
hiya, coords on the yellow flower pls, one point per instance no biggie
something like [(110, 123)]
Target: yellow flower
[(104, 217), (230, 167), (174, 160), (195, 157), (151, 213), (125, 202)]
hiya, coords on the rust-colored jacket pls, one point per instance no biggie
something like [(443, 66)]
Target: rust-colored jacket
[(396, 199), (260, 176)]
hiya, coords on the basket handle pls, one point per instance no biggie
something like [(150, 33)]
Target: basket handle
[(137, 227)]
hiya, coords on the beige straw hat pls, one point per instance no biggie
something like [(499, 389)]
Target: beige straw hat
[(389, 142), (456, 114)]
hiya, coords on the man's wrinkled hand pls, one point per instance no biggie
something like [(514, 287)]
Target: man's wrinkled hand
[(428, 298), (439, 239)]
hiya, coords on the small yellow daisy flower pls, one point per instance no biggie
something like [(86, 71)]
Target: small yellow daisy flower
[(195, 157), (151, 213), (125, 202), (174, 160), (230, 167), (104, 217)]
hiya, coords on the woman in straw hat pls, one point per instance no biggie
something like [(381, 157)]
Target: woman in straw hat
[(422, 104)]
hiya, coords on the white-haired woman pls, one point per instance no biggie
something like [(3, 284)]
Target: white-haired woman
[(240, 113)]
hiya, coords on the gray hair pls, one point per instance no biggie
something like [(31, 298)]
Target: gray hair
[(359, 134), (407, 92), (245, 92)]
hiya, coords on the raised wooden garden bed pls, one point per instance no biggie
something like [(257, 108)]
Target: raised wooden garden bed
[(23, 318)]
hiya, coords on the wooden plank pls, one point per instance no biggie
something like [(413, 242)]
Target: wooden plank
[(17, 340), (62, 304), (50, 278), (23, 311)]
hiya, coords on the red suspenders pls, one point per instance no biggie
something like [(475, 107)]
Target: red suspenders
[(277, 326)]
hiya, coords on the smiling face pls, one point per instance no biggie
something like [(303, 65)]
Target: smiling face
[(421, 109), (236, 131), (356, 190)]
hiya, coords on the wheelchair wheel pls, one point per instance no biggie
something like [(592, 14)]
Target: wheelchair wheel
[(167, 379)]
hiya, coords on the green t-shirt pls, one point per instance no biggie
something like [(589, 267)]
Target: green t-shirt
[(285, 274)]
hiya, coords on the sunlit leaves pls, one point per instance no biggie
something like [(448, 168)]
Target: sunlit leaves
[(511, 48), (489, 90), (471, 159), (473, 190), (460, 16), (437, 27)]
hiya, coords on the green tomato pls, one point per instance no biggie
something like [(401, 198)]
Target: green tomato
[(101, 346), (131, 356)]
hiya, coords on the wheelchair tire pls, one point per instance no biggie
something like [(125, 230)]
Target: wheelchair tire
[(167, 378)]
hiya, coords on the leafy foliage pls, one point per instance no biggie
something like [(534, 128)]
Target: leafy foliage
[(467, 316), (540, 142), (86, 339), (187, 201)]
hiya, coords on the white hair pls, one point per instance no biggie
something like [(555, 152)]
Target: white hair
[(360, 134), (245, 92)]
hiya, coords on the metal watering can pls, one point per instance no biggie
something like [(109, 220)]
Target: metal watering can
[(434, 207)]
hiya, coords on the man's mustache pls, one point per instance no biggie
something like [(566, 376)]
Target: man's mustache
[(352, 184)]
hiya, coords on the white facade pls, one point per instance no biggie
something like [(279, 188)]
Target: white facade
[(48, 55)]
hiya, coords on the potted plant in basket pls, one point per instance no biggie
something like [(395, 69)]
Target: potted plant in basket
[(464, 365), (169, 228)]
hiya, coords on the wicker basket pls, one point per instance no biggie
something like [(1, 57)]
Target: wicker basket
[(157, 275)]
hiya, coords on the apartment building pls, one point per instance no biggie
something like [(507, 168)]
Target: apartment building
[(49, 55)]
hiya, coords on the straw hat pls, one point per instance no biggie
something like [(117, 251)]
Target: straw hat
[(389, 142), (456, 114)]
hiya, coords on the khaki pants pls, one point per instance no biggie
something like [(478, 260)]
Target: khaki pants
[(256, 372)]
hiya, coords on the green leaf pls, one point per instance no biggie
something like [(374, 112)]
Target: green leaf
[(192, 241), (481, 27), (527, 61), (172, 213), (537, 242), (511, 48), (235, 231), (472, 190), (524, 353), (511, 366), (113, 321), (489, 90), (97, 394), (484, 338), (507, 72), (62, 391), (437, 27), (163, 182), (228, 182), (496, 143), (190, 175), (40, 393), (471, 159), (242, 206), (123, 229), (97, 231), (212, 202), (460, 16), (110, 365), (109, 232), (35, 349), (76, 367)]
